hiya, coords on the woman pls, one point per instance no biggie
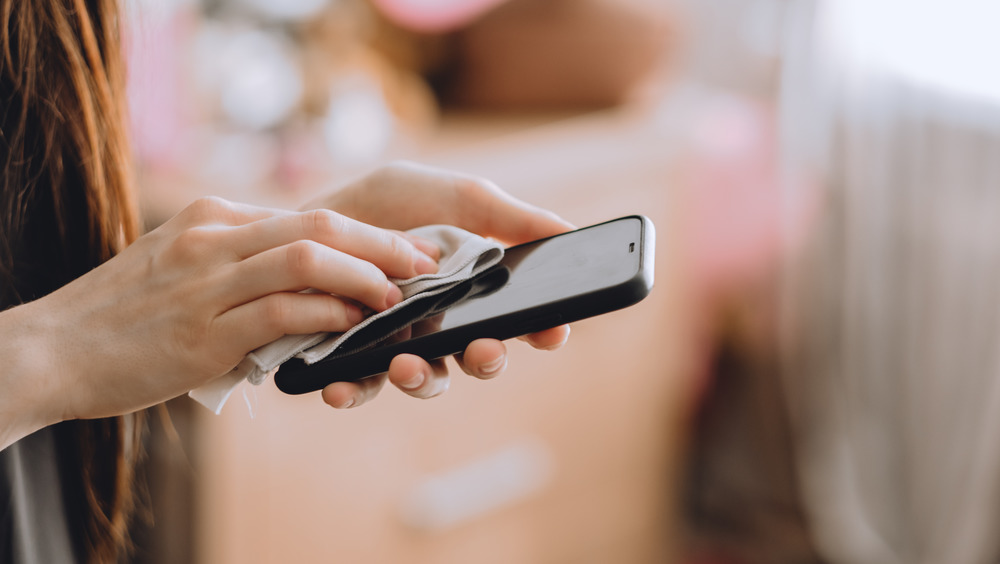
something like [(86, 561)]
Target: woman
[(99, 322)]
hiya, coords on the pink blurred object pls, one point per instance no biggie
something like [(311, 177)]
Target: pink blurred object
[(434, 16), (155, 86), (744, 215)]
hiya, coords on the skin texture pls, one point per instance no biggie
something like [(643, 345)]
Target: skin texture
[(184, 303)]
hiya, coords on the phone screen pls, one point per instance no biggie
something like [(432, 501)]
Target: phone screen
[(552, 269), (529, 276), (536, 285)]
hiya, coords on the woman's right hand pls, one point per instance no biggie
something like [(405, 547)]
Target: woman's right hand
[(184, 303)]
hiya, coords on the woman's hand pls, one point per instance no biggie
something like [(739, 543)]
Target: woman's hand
[(405, 195), (185, 303)]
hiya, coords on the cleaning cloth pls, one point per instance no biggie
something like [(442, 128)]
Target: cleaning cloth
[(464, 256)]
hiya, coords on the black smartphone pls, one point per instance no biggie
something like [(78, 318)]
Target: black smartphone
[(537, 285)]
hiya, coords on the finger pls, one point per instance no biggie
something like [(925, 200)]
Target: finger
[(344, 395), (307, 264), (276, 315), (448, 197), (417, 377), (218, 211), (425, 246), (394, 254), (549, 339), (491, 212), (483, 358)]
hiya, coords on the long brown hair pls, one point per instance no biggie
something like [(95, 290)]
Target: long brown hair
[(66, 206)]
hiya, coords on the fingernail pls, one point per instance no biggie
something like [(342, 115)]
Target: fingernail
[(560, 344), (493, 367), (414, 383), (347, 404), (441, 387), (424, 264), (354, 314), (393, 295)]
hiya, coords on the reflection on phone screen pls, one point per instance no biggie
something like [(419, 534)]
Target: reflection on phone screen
[(530, 275), (424, 316)]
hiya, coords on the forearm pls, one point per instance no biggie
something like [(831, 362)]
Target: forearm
[(29, 384)]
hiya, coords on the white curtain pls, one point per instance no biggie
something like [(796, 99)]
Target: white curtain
[(892, 318)]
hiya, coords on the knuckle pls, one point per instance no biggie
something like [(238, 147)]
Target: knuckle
[(303, 257), (396, 173), (192, 244), (191, 337), (325, 225), (473, 187), (475, 197), (207, 208), (395, 168), (374, 274), (398, 247), (380, 176), (277, 311)]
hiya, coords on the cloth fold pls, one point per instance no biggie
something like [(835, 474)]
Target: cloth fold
[(464, 256)]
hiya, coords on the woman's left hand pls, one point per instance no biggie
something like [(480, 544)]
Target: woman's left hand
[(386, 199)]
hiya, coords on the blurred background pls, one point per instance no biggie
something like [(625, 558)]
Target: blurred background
[(662, 433)]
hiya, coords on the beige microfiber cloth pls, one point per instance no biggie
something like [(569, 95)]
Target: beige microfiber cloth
[(464, 255)]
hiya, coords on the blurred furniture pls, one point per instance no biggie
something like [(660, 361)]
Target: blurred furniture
[(559, 53)]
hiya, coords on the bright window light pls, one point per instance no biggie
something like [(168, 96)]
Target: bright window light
[(950, 44)]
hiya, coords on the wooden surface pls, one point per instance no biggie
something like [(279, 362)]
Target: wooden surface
[(300, 482)]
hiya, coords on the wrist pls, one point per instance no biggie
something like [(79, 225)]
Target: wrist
[(30, 382)]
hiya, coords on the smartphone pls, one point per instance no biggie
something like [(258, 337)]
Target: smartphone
[(537, 285)]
